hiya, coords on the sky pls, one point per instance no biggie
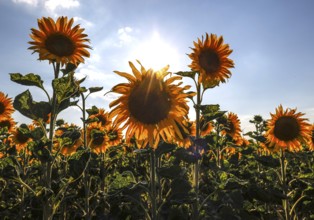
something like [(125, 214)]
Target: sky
[(272, 43)]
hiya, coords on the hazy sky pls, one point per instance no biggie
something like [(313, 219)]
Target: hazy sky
[(272, 42)]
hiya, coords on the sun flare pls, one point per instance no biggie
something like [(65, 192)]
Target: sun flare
[(156, 53)]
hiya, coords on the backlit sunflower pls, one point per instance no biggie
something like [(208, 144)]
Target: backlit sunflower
[(59, 41), (6, 107), (150, 106), (210, 59), (232, 127), (190, 130), (287, 129)]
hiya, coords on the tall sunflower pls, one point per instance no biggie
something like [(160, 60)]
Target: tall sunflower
[(232, 127), (210, 59), (59, 41), (6, 106), (287, 129), (150, 106)]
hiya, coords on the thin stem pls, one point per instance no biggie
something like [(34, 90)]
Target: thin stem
[(153, 184), (285, 202), (197, 165)]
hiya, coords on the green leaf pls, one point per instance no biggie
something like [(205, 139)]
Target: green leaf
[(34, 110), (268, 161), (180, 185), (209, 109), (190, 74), (95, 89), (92, 111), (70, 67), (28, 80), (65, 88)]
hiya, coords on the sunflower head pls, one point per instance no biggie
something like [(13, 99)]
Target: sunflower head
[(21, 138), (57, 41), (187, 129), (232, 127), (150, 106), (102, 118), (210, 59), (8, 123), (205, 126), (97, 139), (287, 129), (6, 106)]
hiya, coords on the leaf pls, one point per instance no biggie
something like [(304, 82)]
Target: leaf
[(95, 89), (206, 109), (65, 88), (180, 185), (28, 80), (92, 111), (190, 74), (34, 110)]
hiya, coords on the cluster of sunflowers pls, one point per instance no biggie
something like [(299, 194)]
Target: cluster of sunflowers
[(150, 116)]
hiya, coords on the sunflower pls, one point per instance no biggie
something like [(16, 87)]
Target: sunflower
[(59, 41), (70, 131), (205, 127), (97, 139), (287, 129), (186, 141), (20, 139), (6, 107), (9, 123), (210, 59), (150, 106), (311, 139), (115, 136), (232, 127), (103, 118)]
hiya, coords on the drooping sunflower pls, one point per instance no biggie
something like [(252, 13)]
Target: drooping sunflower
[(287, 129), (150, 106), (6, 106), (210, 59), (103, 118), (20, 139), (232, 127), (205, 127), (72, 132), (9, 123), (59, 41), (97, 139)]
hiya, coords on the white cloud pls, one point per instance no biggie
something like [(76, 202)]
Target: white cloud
[(83, 22), (52, 5), (29, 2), (124, 35)]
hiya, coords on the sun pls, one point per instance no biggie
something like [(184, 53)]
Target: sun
[(156, 53)]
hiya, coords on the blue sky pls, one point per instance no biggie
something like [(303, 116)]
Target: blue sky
[(272, 42)]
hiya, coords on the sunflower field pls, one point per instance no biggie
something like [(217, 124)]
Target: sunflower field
[(143, 158)]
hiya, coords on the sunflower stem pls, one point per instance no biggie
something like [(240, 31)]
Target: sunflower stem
[(283, 166), (47, 209), (153, 183), (197, 165)]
